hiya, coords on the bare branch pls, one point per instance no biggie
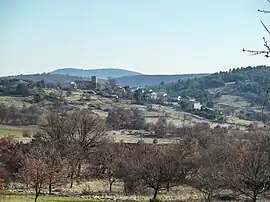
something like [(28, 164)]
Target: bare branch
[(266, 44), (263, 11), (266, 53), (265, 27), (265, 100), (256, 52)]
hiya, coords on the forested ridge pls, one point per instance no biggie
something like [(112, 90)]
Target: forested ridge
[(249, 82)]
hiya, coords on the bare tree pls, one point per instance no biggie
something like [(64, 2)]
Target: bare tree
[(90, 132), (130, 156), (121, 118), (137, 117), (34, 171), (249, 170), (55, 133), (118, 118), (209, 179), (3, 113), (58, 126), (107, 161), (161, 167), (11, 156), (2, 183), (161, 126), (55, 166), (266, 51)]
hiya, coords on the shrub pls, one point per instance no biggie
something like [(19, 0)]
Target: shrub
[(69, 93), (227, 198), (26, 133), (2, 183), (155, 200), (86, 190)]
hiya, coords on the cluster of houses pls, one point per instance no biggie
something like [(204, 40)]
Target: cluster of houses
[(169, 99), (80, 84), (117, 91)]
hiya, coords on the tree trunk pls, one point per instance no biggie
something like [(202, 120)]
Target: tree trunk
[(79, 169), (155, 193), (209, 197), (125, 187), (168, 187), (255, 195), (111, 183), (36, 197), (71, 179), (50, 186), (37, 189)]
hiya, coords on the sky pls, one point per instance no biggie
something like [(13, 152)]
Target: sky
[(148, 36)]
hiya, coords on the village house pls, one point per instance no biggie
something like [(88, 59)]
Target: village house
[(193, 105), (69, 86), (162, 96), (153, 96), (174, 99)]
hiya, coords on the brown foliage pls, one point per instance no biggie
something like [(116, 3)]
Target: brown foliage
[(210, 179), (161, 127), (2, 182), (35, 172), (249, 169), (89, 133), (11, 156), (19, 116), (108, 161), (121, 118), (161, 167)]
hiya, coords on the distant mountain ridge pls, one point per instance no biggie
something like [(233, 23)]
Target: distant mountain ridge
[(126, 77), (103, 73)]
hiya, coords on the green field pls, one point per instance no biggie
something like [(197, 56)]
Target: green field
[(10, 131), (24, 198)]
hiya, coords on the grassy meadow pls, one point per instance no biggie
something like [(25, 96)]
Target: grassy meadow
[(10, 131), (30, 198)]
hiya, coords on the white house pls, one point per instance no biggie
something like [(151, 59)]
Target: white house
[(194, 105), (153, 95), (197, 105), (174, 98), (69, 86)]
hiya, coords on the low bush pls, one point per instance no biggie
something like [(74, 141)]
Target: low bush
[(26, 133), (155, 200)]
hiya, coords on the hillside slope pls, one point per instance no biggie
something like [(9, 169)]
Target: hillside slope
[(149, 80), (100, 73)]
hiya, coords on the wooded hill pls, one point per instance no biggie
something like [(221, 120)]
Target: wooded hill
[(250, 83)]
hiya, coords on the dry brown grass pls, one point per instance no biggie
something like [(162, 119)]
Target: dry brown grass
[(128, 137), (101, 188), (233, 101)]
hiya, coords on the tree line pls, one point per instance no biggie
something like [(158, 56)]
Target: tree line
[(19, 115)]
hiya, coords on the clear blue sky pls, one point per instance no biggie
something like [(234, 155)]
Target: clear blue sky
[(150, 36)]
